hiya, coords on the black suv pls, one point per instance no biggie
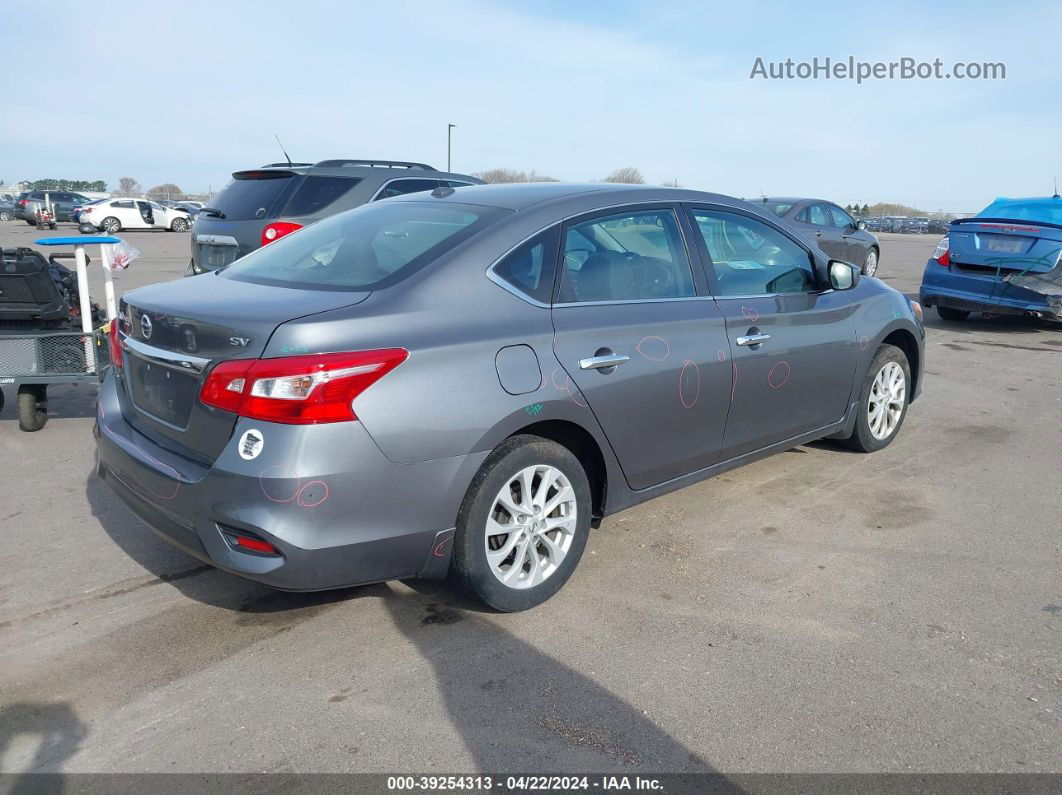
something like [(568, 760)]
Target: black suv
[(63, 203), (264, 204)]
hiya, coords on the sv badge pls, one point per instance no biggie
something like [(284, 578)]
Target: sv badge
[(242, 342)]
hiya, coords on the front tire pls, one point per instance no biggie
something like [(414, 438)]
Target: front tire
[(32, 407), (111, 225), (870, 263), (5, 216), (883, 401), (179, 225), (523, 524), (947, 313)]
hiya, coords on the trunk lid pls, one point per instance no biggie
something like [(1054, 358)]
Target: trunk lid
[(176, 331), (991, 245)]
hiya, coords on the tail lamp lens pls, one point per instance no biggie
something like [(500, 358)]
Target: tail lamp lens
[(299, 390), (277, 230), (941, 254), (114, 344)]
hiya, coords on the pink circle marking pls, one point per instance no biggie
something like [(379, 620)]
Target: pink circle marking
[(772, 377), (324, 495), (689, 404), (265, 491), (654, 353), (863, 343), (720, 355)]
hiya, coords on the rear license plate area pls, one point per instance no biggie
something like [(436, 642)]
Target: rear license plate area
[(162, 392), (1006, 245), (214, 257)]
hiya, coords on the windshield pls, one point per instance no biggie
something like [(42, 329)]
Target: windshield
[(367, 248), (1046, 210)]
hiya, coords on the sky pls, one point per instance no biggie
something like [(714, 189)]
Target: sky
[(569, 89)]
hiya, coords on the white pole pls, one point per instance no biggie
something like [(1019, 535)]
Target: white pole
[(108, 284), (86, 305)]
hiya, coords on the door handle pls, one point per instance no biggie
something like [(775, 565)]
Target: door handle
[(753, 339), (818, 233), (602, 362)]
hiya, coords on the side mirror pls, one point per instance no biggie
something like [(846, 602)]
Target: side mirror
[(861, 225), (842, 275)]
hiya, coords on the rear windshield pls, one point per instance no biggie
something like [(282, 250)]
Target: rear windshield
[(315, 193), (778, 208), (253, 195), (367, 248), (1046, 211)]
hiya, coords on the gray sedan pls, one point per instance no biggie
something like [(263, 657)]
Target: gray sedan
[(464, 383), (834, 231)]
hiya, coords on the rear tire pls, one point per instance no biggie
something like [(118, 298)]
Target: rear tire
[(550, 523), (32, 407), (883, 401), (111, 225), (946, 313)]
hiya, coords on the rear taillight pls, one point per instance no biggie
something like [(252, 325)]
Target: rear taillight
[(299, 390), (940, 253), (277, 230), (114, 345), (86, 210), (23, 202)]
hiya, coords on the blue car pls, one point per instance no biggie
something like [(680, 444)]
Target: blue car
[(1003, 261)]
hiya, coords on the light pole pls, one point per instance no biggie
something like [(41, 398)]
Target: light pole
[(449, 130)]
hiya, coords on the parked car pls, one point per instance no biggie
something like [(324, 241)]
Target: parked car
[(873, 223), (1003, 261), (914, 226), (63, 204), (463, 381), (192, 208), (7, 208), (262, 205), (835, 231), (937, 226), (114, 215), (75, 214)]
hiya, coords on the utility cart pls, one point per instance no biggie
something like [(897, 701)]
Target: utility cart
[(50, 331)]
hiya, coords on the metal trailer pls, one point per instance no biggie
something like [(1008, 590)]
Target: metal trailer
[(33, 360)]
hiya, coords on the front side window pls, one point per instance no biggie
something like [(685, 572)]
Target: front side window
[(530, 267), (751, 258), (371, 247), (841, 219), (628, 256), (400, 187)]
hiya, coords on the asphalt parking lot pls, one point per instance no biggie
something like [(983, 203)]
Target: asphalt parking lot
[(818, 611)]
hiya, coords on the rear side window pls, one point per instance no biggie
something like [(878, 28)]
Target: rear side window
[(315, 193), (626, 257), (125, 203), (369, 248), (399, 187), (529, 269), (253, 195)]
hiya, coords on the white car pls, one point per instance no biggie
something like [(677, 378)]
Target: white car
[(114, 215)]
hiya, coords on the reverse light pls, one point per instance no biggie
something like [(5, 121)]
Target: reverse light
[(277, 230), (941, 253), (114, 345), (298, 390)]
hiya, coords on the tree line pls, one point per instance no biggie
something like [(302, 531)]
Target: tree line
[(627, 176)]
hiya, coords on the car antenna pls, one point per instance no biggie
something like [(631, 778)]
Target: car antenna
[(1056, 196), (282, 149)]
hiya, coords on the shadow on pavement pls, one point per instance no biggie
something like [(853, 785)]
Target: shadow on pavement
[(518, 709), (57, 731)]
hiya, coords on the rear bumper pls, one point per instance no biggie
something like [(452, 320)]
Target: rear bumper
[(984, 293), (339, 512)]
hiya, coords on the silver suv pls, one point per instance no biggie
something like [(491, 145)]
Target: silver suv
[(264, 204)]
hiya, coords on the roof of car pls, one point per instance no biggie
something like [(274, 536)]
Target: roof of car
[(782, 199), (350, 167), (522, 195)]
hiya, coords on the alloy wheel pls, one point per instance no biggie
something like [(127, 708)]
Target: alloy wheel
[(530, 526), (888, 395), (870, 266)]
